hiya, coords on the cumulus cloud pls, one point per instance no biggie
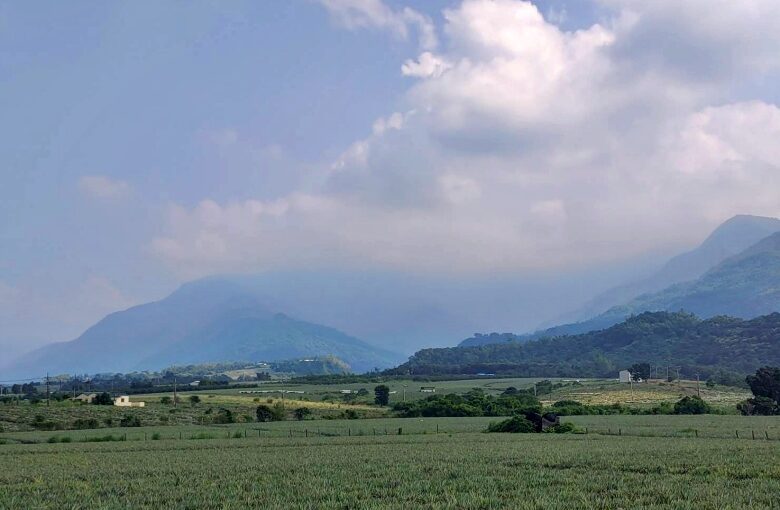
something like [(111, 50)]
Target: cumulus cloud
[(375, 14), (524, 145), (102, 187)]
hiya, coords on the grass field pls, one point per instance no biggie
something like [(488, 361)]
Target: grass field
[(459, 469), (326, 401)]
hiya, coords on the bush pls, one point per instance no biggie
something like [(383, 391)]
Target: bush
[(85, 423), (166, 400), (156, 436), (301, 413), (194, 399), (758, 406), (515, 424), (561, 428), (129, 420), (224, 416), (691, 405)]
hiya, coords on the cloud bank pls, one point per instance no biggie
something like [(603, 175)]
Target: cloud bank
[(520, 146)]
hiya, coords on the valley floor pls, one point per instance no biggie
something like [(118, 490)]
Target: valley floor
[(347, 466)]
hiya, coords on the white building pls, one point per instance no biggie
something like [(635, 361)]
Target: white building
[(124, 401), (625, 376)]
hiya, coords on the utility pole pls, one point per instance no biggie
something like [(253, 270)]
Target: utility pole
[(48, 394), (678, 375), (174, 391), (698, 390)]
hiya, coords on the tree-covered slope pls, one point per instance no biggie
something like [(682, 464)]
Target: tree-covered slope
[(746, 285), (663, 338), (730, 238)]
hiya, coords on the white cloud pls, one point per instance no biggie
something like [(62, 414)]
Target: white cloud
[(525, 146), (427, 65), (100, 186), (374, 14)]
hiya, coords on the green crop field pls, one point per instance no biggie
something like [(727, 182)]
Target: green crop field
[(458, 469)]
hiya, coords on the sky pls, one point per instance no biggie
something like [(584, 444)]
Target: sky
[(144, 144)]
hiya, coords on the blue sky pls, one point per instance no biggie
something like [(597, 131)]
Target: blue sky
[(143, 144)]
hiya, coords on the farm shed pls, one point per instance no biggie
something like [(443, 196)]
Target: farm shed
[(625, 376), (124, 401), (87, 398)]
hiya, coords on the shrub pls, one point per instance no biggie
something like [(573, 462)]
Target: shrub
[(301, 413), (194, 399), (129, 420), (224, 416), (85, 423), (758, 406), (515, 424), (166, 400), (561, 428), (691, 405), (156, 436)]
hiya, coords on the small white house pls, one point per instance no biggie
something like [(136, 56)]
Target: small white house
[(625, 376), (124, 401), (427, 389)]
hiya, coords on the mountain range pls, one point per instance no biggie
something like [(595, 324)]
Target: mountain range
[(204, 321), (735, 271), (279, 316), (720, 347)]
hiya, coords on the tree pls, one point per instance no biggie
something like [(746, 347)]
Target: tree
[(103, 399), (194, 399), (765, 383), (691, 405), (270, 413), (301, 413), (166, 400), (382, 395), (264, 413), (640, 371)]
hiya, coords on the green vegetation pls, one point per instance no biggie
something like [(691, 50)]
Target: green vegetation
[(458, 468), (711, 348), (765, 385), (382, 395)]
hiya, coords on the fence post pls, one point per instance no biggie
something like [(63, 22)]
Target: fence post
[(737, 433), (349, 432), (586, 431), (437, 428), (290, 432), (753, 433), (696, 432), (620, 432), (767, 435), (307, 432), (400, 431)]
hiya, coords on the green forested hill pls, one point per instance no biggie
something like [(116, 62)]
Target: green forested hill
[(746, 285), (678, 339)]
